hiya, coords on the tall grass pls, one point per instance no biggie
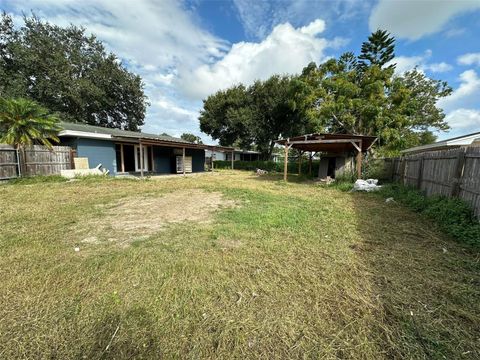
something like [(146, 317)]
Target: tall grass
[(453, 215), (294, 271)]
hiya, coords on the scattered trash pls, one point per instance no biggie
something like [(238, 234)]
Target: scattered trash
[(77, 249), (261, 172), (71, 173), (366, 185), (390, 200), (327, 181), (444, 250)]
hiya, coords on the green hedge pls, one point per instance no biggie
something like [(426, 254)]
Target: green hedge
[(270, 166), (453, 215)]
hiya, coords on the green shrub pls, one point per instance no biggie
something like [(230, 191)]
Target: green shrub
[(453, 215), (376, 169)]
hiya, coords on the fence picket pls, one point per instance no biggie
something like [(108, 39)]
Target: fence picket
[(452, 173), (34, 160)]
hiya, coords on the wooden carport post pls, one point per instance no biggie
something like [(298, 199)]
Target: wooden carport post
[(285, 164), (141, 159), (310, 164), (212, 159), (183, 161), (233, 157), (359, 160), (122, 158), (300, 158)]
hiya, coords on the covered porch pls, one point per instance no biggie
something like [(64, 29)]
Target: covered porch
[(157, 157)]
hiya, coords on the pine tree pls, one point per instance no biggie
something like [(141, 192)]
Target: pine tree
[(378, 50)]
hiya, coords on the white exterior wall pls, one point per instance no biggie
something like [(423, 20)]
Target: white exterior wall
[(217, 155)]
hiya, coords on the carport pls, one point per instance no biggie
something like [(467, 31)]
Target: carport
[(329, 143)]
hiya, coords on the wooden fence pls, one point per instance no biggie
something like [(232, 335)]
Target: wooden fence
[(34, 160), (451, 173)]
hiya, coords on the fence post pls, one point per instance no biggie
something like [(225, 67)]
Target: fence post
[(22, 161), (457, 176), (420, 173), (404, 170)]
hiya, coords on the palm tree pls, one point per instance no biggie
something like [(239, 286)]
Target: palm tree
[(24, 122)]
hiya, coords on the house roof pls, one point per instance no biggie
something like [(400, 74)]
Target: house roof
[(447, 143), (334, 143), (103, 133), (84, 130)]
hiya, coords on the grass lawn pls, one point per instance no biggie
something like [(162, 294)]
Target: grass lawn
[(228, 265)]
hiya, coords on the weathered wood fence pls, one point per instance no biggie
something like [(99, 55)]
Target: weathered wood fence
[(34, 160), (451, 173)]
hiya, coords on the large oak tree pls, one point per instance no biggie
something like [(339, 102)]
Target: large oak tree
[(69, 72)]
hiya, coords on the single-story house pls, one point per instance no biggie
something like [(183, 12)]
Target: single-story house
[(453, 143), (124, 152)]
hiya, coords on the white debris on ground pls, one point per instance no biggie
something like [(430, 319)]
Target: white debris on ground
[(366, 185), (328, 180), (390, 200), (261, 172)]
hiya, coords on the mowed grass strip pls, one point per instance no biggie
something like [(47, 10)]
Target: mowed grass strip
[(291, 271)]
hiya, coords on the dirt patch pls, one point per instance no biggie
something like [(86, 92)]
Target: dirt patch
[(138, 217)]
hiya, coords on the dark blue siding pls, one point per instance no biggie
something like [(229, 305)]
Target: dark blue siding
[(163, 158), (98, 152), (198, 159)]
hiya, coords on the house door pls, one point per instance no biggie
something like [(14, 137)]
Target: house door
[(138, 159)]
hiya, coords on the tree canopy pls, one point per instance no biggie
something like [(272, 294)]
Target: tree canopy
[(252, 116), (192, 138), (352, 94), (69, 72), (366, 97)]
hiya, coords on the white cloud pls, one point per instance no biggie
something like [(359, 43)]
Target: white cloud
[(466, 95), (462, 106), (260, 17), (153, 39), (414, 19), (406, 63), (464, 119), (469, 59), (285, 51), (438, 67)]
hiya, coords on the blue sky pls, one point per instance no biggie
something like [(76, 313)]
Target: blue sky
[(186, 50)]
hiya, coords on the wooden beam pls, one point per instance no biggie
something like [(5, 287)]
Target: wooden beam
[(334, 141), (359, 148), (141, 159), (359, 162), (310, 164), (122, 158), (285, 164), (300, 158), (183, 161), (233, 157), (151, 156)]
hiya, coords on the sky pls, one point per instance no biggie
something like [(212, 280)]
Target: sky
[(187, 50)]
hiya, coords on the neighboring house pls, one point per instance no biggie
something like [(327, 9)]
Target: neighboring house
[(121, 152), (244, 155), (239, 155), (453, 143)]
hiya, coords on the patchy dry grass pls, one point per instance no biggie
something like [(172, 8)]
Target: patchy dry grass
[(294, 271), (139, 216)]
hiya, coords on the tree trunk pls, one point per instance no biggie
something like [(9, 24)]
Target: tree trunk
[(270, 150)]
